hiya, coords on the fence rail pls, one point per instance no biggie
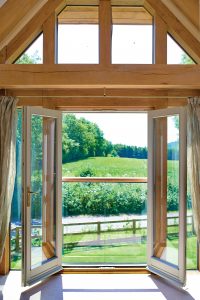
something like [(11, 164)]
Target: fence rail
[(98, 227)]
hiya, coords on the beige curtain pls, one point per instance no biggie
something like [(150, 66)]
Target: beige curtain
[(193, 114), (7, 162)]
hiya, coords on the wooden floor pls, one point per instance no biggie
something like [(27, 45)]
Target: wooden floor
[(99, 286)]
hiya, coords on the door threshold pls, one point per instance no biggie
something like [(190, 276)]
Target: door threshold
[(104, 270)]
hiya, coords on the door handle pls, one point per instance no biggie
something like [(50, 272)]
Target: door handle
[(29, 193)]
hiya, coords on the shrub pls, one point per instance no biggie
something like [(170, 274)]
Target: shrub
[(103, 199)]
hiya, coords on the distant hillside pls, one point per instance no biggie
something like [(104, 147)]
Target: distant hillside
[(82, 139)]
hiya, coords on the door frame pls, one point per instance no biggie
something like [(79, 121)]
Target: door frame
[(154, 264), (54, 265)]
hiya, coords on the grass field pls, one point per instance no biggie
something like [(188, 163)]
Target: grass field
[(107, 166), (121, 253)]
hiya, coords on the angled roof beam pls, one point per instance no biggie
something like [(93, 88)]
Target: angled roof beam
[(14, 16), (32, 29), (183, 36)]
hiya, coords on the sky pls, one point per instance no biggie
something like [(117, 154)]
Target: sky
[(130, 44), (121, 128), (126, 128)]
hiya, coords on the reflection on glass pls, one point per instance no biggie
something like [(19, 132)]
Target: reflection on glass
[(191, 246), (132, 36), (78, 35), (42, 190), (166, 235), (112, 223), (16, 230)]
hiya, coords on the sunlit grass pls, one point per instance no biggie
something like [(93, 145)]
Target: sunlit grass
[(116, 253), (107, 166)]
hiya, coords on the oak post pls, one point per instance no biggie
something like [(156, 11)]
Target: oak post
[(105, 32), (49, 40)]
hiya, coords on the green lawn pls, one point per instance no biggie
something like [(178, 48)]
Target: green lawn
[(107, 166), (120, 253), (134, 253)]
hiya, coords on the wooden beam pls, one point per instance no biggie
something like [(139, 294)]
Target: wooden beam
[(160, 40), (114, 2), (3, 54), (104, 103), (180, 94), (183, 36), (28, 33), (105, 32), (14, 16), (79, 15), (102, 99), (131, 15), (106, 179), (190, 9), (93, 76), (183, 16), (50, 39), (89, 15)]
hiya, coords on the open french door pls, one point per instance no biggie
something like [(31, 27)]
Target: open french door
[(167, 173), (42, 182)]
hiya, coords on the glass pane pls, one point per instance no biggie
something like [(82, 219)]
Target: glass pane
[(176, 54), (78, 35), (132, 36), (104, 145), (42, 196), (16, 209), (33, 54), (166, 222), (191, 249), (104, 223)]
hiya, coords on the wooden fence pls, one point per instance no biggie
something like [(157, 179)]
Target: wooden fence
[(98, 227)]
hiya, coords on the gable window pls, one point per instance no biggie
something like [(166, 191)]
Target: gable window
[(33, 54), (78, 35), (132, 35), (176, 54)]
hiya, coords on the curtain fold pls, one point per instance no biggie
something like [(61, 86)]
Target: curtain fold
[(8, 120), (193, 116)]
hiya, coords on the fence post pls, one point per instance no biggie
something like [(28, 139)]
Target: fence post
[(134, 227), (17, 239), (98, 230), (193, 230)]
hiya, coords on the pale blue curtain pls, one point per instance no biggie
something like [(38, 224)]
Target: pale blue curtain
[(193, 116), (8, 120)]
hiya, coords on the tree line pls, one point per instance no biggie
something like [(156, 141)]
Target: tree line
[(82, 139)]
